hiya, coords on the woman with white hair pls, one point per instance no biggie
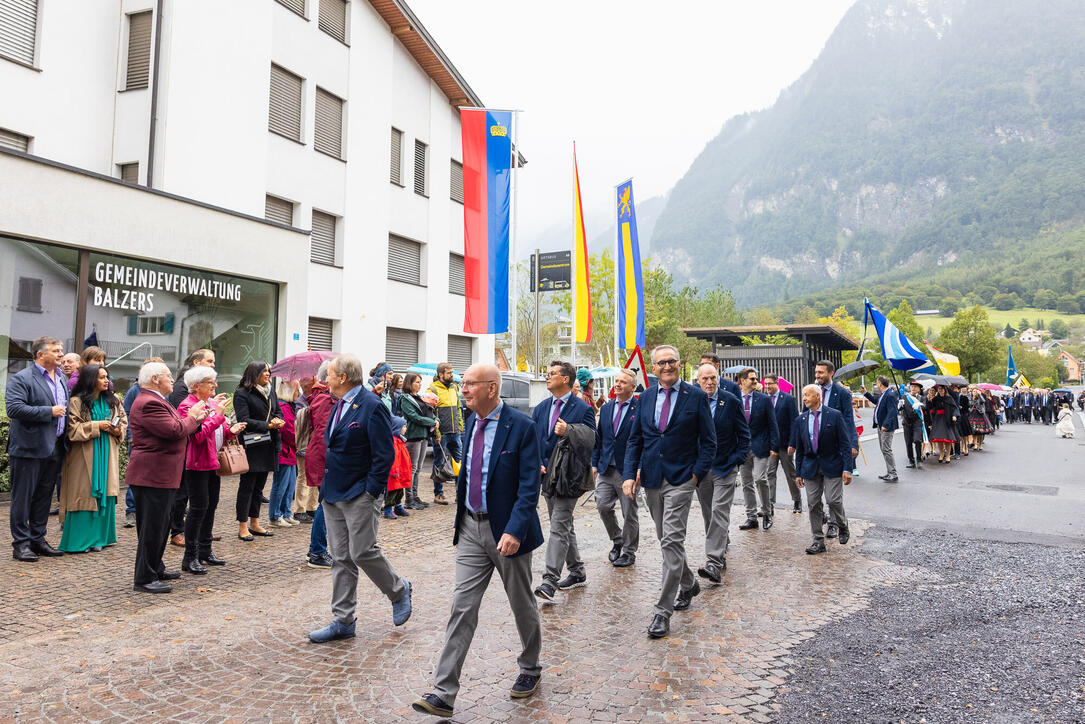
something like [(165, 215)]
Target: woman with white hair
[(201, 467), (286, 475)]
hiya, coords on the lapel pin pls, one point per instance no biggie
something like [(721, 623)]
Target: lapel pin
[(354, 407)]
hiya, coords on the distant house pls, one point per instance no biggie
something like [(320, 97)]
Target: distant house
[(1030, 337), (1053, 345), (1072, 365)]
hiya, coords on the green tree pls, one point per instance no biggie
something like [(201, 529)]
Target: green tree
[(1067, 304), (948, 307), (971, 338), (1009, 332), (1023, 324), (1045, 299), (1006, 302), (1059, 329), (806, 315)]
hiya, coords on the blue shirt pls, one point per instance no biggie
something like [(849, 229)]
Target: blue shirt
[(60, 397), (660, 396), (487, 445), (712, 403), (810, 421), (620, 409), (347, 399), (564, 402)]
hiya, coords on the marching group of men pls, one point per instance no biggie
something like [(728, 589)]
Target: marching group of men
[(1033, 403)]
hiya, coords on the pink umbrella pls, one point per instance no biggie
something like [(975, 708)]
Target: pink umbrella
[(988, 386), (301, 365)]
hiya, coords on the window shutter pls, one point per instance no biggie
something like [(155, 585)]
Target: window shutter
[(280, 210), (297, 6), (139, 50), (329, 123), (397, 156), (460, 352), (455, 274), (133, 325), (401, 348), (284, 109), (333, 19), (320, 334), (404, 260), (19, 29), (456, 181), (167, 323), (419, 167), (129, 172), (322, 241), (14, 141), (29, 295)]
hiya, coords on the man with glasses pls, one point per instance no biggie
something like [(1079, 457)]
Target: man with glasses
[(608, 459), (764, 442), (670, 450)]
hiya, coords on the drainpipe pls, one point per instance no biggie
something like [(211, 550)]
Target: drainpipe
[(154, 92)]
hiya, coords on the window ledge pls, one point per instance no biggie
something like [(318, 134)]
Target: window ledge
[(410, 284), (330, 265), (341, 42), (425, 196), (129, 90), (330, 155), (28, 66), (396, 183), (283, 135)]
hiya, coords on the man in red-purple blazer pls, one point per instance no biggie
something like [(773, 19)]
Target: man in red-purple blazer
[(159, 439)]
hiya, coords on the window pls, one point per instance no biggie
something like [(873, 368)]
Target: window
[(329, 123), (333, 19), (322, 241), (320, 334), (419, 167), (455, 274), (401, 348), (19, 30), (397, 157), (297, 6), (29, 295), (284, 109), (280, 210), (129, 172), (404, 260), (14, 141), (139, 50), (460, 352), (456, 181), (150, 325)]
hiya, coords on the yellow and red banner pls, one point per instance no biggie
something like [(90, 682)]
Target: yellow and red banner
[(581, 282)]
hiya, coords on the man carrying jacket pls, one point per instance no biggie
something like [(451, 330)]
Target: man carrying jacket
[(450, 419)]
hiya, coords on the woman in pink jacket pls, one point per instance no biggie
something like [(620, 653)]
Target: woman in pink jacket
[(201, 468)]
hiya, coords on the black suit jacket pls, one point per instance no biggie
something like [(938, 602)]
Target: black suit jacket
[(786, 411)]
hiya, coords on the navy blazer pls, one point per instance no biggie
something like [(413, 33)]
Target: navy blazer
[(730, 386), (732, 433), (360, 450), (833, 455), (512, 484), (764, 435), (686, 449), (885, 411), (610, 448), (574, 411), (29, 401), (786, 411), (839, 399)]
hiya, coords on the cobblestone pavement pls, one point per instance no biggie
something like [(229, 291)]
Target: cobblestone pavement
[(77, 643)]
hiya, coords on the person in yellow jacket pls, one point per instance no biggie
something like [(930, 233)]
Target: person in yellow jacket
[(450, 421)]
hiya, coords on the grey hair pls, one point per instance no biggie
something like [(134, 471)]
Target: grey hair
[(286, 391), (813, 387), (671, 347), (151, 370), (322, 371), (351, 366), (196, 375), (629, 373)]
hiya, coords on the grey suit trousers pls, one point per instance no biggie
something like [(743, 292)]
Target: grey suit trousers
[(669, 506), (784, 460), (754, 471), (561, 549), (885, 441), (716, 493), (608, 491), (352, 542), (476, 559), (833, 490)]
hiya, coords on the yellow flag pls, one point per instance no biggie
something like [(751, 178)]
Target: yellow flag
[(582, 284), (947, 363)]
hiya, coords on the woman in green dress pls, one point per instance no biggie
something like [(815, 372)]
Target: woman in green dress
[(90, 479)]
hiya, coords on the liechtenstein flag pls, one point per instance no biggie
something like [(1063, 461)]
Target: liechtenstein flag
[(487, 196)]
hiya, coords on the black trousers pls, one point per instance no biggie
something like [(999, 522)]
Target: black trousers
[(177, 512), (249, 491), (152, 530), (203, 499), (32, 481), (913, 442)]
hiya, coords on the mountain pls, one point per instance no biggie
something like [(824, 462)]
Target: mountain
[(926, 133)]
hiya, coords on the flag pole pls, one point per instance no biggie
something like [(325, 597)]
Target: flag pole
[(572, 327), (514, 303), (617, 356)]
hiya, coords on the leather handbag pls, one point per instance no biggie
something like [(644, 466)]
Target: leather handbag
[(232, 459), (258, 438)]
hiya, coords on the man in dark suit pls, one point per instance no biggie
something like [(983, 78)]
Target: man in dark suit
[(912, 423), (358, 462), (785, 409), (1050, 404), (37, 403), (717, 492), (838, 397), (159, 440), (886, 422), (1038, 405), (670, 449), (822, 445), (552, 419), (764, 442), (608, 458), (497, 527), (725, 384)]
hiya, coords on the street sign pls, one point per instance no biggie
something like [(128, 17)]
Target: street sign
[(556, 271)]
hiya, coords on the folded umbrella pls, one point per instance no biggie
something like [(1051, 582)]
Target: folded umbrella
[(301, 365), (854, 369)]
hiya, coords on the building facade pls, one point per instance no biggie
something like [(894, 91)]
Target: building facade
[(257, 176)]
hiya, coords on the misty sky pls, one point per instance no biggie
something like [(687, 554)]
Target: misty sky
[(640, 85)]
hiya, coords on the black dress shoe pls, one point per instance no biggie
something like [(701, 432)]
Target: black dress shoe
[(44, 549), (798, 507), (193, 566), (264, 499), (710, 572), (55, 511), (818, 546), (685, 598), (845, 536), (882, 477), (169, 575), (153, 587), (659, 627), (625, 560), (24, 554), (212, 560), (766, 523), (750, 524), (615, 552), (893, 479), (910, 465), (832, 531)]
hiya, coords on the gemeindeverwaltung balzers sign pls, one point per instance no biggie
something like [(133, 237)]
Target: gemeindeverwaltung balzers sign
[(142, 283)]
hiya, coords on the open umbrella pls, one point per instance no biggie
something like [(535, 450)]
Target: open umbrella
[(1063, 389), (927, 376), (957, 380), (854, 369), (988, 386), (299, 366), (735, 369)]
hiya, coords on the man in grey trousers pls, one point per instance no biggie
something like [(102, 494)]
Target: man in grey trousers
[(886, 422), (607, 460), (497, 527)]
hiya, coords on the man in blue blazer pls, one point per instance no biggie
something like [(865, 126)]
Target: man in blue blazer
[(822, 445), (783, 405), (885, 420), (718, 492), (497, 527), (764, 442), (552, 419), (670, 450), (607, 460), (838, 397), (37, 403), (725, 384), (357, 464)]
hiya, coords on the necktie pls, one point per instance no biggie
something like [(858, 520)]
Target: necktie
[(618, 417), (824, 394), (478, 448), (554, 417), (746, 407), (774, 402), (665, 411), (338, 412), (816, 426)]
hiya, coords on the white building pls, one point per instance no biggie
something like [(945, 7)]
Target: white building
[(299, 184)]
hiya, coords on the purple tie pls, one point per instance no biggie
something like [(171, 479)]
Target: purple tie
[(746, 407), (338, 412), (557, 411), (618, 417), (478, 448), (816, 426), (665, 411)]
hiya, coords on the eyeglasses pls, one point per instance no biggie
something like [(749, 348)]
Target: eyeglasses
[(465, 383), (667, 362)]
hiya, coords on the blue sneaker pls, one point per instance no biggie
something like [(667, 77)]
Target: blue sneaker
[(333, 631), (401, 609), (389, 514)]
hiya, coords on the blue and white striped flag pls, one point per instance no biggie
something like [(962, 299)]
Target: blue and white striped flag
[(897, 349)]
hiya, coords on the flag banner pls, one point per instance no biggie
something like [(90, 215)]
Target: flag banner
[(487, 201), (581, 283), (785, 386), (630, 283), (947, 363), (1021, 381), (1011, 367), (897, 349)]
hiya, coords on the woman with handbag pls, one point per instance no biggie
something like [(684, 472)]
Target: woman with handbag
[(202, 467), (256, 405)]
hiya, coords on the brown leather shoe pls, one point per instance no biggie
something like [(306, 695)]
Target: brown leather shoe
[(178, 540), (216, 537), (440, 499)]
